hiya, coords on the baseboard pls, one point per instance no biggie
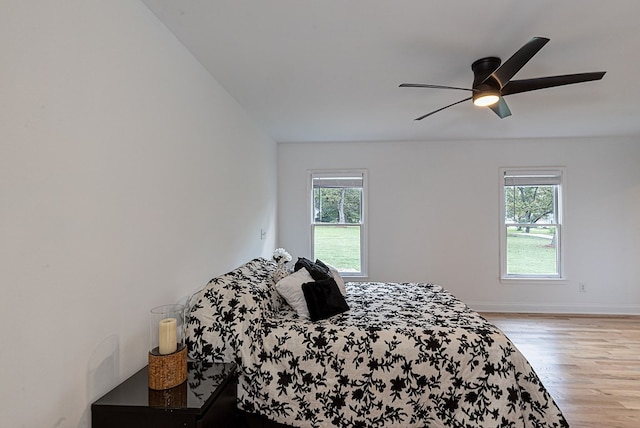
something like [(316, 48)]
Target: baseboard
[(555, 309)]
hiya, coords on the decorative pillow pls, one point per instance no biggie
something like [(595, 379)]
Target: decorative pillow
[(280, 273), (324, 299), (318, 272), (335, 275), (290, 287)]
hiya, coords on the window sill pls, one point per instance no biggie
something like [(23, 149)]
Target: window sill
[(533, 281), (354, 278)]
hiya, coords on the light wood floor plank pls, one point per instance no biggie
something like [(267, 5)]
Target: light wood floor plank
[(589, 364)]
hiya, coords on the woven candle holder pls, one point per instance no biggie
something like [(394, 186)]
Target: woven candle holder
[(167, 371)]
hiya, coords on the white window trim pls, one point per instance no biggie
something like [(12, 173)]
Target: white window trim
[(364, 271), (561, 277)]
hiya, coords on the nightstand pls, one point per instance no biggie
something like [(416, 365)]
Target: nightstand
[(207, 399)]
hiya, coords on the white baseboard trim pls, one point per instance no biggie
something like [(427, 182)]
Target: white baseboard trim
[(555, 309)]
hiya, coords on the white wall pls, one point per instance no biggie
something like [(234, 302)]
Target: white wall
[(121, 162), (434, 216)]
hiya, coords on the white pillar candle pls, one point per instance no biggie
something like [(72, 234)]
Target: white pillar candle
[(168, 336)]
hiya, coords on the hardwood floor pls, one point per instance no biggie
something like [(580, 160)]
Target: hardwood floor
[(589, 364)]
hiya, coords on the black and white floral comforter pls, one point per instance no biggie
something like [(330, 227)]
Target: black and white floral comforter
[(405, 355)]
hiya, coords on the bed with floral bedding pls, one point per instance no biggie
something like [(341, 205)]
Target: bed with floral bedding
[(403, 354)]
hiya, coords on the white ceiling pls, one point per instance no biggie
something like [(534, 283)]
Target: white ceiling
[(329, 70)]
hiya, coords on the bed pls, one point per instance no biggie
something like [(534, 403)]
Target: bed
[(404, 354)]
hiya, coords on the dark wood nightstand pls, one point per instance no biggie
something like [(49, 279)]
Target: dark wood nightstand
[(206, 400)]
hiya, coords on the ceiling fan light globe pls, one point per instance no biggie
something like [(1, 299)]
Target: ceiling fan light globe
[(484, 100)]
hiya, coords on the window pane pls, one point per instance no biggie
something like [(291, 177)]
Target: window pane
[(532, 250), (338, 246), (337, 205), (338, 198), (530, 204)]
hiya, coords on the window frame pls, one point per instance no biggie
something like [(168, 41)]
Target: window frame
[(560, 204), (363, 273)]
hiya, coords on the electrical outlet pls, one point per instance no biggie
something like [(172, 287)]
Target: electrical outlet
[(582, 287)]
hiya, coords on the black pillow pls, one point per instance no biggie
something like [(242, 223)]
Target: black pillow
[(316, 271), (324, 267), (324, 299)]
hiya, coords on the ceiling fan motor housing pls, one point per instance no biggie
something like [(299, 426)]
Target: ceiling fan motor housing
[(483, 68), (486, 89)]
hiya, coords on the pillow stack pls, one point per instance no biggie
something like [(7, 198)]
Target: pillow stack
[(315, 290)]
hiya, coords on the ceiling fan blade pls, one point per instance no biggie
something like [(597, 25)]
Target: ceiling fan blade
[(510, 67), (442, 108), (501, 108), (517, 86), (420, 85)]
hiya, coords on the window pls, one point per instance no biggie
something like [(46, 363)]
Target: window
[(531, 229), (338, 232)]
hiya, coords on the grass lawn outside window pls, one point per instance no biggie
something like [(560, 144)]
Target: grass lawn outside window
[(531, 253), (338, 246)]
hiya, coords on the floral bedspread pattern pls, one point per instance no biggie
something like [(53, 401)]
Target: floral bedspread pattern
[(405, 355)]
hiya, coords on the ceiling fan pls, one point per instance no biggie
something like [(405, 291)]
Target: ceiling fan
[(492, 81)]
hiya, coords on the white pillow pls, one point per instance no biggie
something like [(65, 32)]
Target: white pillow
[(290, 287), (338, 279)]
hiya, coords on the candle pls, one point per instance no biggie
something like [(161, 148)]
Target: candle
[(168, 336)]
